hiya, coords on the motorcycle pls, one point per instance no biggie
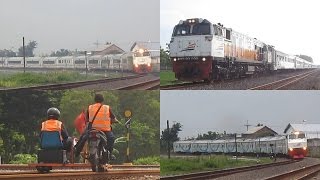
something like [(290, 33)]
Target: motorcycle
[(98, 155)]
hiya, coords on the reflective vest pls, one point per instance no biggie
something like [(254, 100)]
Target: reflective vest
[(52, 125), (102, 120)]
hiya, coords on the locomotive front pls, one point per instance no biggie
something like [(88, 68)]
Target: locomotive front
[(191, 50), (297, 145), (142, 61)]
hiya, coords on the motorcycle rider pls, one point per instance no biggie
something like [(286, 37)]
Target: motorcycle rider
[(53, 124), (102, 122)]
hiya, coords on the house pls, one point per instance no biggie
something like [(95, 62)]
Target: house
[(259, 131)]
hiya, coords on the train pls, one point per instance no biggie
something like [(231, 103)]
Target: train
[(293, 146), (201, 50), (138, 62)]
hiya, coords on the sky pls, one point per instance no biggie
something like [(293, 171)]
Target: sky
[(219, 111), (77, 24), (289, 25)]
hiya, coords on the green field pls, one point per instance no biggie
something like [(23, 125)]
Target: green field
[(167, 78), (183, 165), (31, 78)]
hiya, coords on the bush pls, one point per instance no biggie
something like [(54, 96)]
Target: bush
[(154, 160), (24, 159)]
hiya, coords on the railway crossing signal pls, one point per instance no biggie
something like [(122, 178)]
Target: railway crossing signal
[(127, 115)]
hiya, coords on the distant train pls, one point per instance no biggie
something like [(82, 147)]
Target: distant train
[(139, 62), (201, 50), (293, 145)]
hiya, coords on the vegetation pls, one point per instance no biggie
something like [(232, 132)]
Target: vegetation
[(29, 79), (61, 52), (165, 58), (21, 114), (153, 160), (29, 48), (305, 57), (24, 159), (167, 78), (182, 165), (171, 136)]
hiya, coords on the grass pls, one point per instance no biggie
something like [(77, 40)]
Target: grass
[(183, 165), (167, 78), (31, 78), (154, 160)]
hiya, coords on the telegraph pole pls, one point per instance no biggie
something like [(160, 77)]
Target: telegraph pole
[(247, 125), (24, 56), (168, 140)]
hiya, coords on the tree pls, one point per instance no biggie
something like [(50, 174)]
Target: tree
[(171, 136), (61, 52), (28, 48), (7, 53), (165, 58), (209, 135), (305, 57)]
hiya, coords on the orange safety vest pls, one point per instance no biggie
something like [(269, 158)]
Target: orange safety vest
[(102, 121), (52, 125)]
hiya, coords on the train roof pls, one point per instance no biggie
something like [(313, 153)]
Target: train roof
[(269, 138)]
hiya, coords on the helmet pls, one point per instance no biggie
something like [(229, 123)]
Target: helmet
[(53, 113)]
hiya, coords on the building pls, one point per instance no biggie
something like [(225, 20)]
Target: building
[(107, 49), (258, 132), (312, 131)]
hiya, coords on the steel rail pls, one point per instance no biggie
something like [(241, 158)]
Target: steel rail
[(282, 83), (69, 85), (85, 175), (147, 85), (224, 172), (298, 174)]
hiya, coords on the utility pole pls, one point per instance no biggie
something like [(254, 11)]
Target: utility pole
[(235, 140), (168, 140), (247, 125), (24, 56), (85, 55)]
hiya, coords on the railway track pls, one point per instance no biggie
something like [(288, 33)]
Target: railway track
[(70, 166), (225, 172), (283, 83), (299, 174), (64, 86), (181, 86), (110, 174), (148, 85)]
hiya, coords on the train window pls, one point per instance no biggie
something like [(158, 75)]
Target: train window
[(48, 62), (201, 29), (181, 30), (32, 62), (228, 34), (93, 61), (14, 62), (79, 62)]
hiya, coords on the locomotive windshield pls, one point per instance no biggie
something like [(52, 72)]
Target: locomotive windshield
[(138, 54), (181, 30), (192, 29), (297, 136)]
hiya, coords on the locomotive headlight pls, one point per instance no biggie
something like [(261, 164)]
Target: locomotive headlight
[(149, 64), (304, 148), (203, 59), (141, 51), (136, 65), (290, 149), (174, 59)]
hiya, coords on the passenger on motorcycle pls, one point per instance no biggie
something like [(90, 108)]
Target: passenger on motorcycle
[(52, 124), (103, 120)]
